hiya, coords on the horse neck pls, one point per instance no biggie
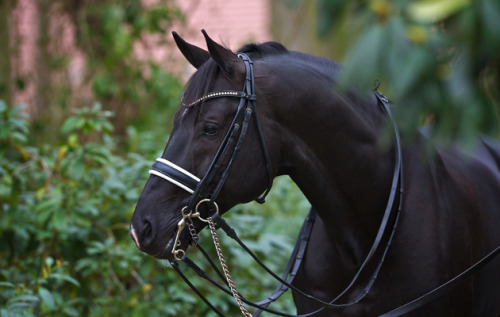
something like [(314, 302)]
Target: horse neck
[(331, 150)]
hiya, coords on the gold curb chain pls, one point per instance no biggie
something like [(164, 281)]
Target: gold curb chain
[(229, 279)]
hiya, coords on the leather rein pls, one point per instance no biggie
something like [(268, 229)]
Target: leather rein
[(201, 194)]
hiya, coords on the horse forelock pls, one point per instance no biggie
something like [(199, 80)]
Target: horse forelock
[(201, 82)]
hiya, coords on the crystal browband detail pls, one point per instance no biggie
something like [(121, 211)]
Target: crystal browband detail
[(226, 93)]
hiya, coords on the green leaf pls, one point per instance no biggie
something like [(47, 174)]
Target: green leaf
[(87, 265), (490, 17), (77, 168), (6, 182), (7, 285), (362, 62), (66, 278), (3, 106), (60, 219), (328, 14), (5, 313), (47, 298), (435, 10), (27, 299), (73, 123)]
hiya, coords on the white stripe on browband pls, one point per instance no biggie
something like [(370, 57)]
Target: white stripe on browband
[(173, 181), (180, 169)]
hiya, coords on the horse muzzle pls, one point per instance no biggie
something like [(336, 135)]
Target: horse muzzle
[(149, 243)]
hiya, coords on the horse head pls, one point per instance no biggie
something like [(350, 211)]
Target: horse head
[(216, 156)]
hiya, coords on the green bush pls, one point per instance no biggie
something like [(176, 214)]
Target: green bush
[(437, 60), (64, 215)]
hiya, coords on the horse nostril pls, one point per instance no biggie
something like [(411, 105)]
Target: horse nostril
[(147, 230), (142, 232)]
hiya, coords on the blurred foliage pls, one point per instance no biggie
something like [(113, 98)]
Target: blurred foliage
[(64, 216), (123, 80), (113, 41), (438, 60)]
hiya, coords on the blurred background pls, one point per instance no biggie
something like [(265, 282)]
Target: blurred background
[(88, 91)]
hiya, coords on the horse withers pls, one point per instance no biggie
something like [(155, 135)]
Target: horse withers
[(228, 142)]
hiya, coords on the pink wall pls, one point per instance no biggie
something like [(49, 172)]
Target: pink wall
[(235, 22), (231, 22), (25, 17)]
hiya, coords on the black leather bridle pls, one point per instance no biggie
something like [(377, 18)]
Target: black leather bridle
[(204, 191), (207, 189), (227, 152)]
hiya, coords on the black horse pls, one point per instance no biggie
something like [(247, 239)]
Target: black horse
[(328, 142)]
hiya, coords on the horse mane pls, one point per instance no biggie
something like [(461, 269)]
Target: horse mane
[(258, 51), (202, 82)]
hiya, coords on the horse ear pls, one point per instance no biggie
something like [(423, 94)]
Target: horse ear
[(196, 56), (228, 61)]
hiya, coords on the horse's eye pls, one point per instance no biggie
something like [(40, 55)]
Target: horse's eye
[(211, 129)]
